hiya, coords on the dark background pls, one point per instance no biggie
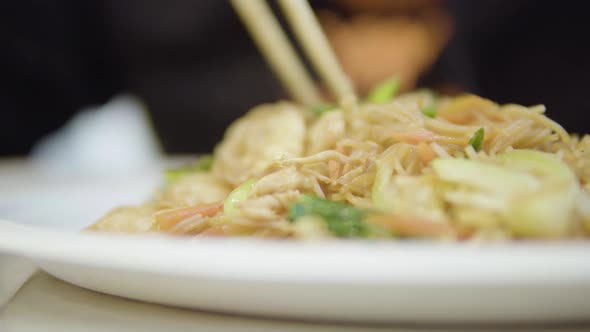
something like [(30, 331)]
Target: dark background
[(197, 70)]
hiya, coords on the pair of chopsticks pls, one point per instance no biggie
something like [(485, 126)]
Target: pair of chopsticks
[(272, 41)]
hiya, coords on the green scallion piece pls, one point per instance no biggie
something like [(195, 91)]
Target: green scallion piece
[(429, 111), (342, 219), (476, 141), (203, 164), (385, 91), (322, 108)]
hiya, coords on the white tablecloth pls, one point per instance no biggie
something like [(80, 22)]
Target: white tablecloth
[(45, 304)]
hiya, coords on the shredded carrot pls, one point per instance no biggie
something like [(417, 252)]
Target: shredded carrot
[(166, 219), (405, 225)]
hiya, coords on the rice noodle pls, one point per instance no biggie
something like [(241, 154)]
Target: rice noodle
[(341, 153)]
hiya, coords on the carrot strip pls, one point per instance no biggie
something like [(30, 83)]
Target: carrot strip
[(166, 219)]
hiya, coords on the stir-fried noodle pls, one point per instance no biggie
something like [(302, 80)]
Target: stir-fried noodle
[(417, 166)]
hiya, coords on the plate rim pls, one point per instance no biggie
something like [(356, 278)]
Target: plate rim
[(341, 261)]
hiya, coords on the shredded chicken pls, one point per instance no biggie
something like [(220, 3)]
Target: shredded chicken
[(253, 142)]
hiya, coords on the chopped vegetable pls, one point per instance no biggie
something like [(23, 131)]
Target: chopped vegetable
[(311, 227), (483, 176), (539, 163), (237, 195), (408, 196), (203, 164), (174, 174), (322, 108), (429, 111), (382, 180), (548, 211), (166, 219), (476, 141), (342, 219), (544, 214), (533, 193), (385, 91)]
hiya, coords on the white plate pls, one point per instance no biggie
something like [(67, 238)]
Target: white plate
[(33, 196), (338, 280)]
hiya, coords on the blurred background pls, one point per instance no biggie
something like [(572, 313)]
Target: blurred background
[(192, 66)]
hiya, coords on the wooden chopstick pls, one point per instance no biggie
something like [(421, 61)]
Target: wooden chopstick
[(311, 36), (274, 45)]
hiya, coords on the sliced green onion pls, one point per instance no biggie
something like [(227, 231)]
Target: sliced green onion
[(342, 219), (203, 164), (385, 91), (322, 108), (476, 141), (429, 111), (237, 195), (172, 175)]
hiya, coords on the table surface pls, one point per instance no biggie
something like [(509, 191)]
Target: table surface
[(47, 304)]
